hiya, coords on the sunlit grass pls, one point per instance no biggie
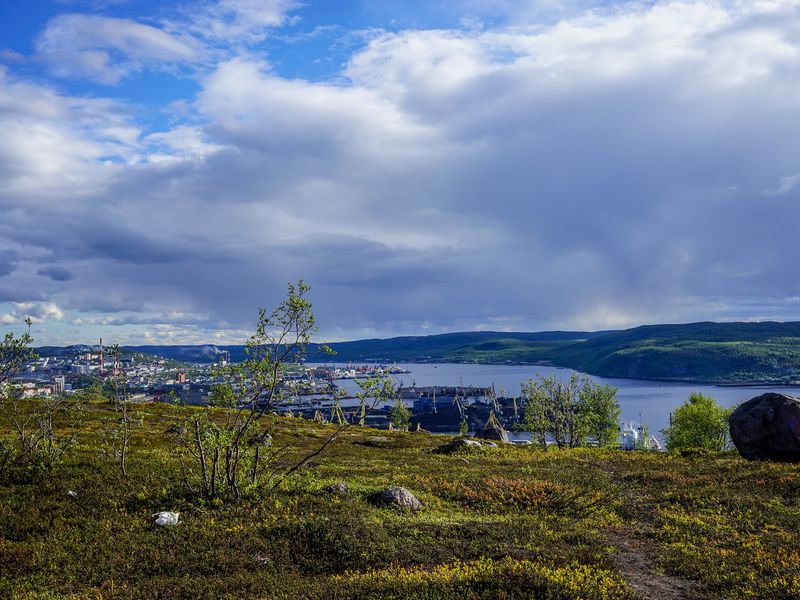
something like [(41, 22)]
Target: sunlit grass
[(511, 522)]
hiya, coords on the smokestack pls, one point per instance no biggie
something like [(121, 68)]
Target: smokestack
[(102, 361)]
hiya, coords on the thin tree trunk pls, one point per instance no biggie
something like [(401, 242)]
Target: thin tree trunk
[(202, 456), (124, 456), (214, 470), (255, 464)]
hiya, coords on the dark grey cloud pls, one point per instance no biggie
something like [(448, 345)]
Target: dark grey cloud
[(8, 261), (55, 273)]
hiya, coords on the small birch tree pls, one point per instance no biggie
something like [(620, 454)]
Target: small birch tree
[(225, 458), (119, 430)]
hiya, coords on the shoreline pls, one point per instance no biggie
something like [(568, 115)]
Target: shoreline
[(707, 382)]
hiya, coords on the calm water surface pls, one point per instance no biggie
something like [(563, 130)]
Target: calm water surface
[(648, 402)]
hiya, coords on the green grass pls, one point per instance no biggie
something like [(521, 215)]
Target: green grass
[(512, 522)]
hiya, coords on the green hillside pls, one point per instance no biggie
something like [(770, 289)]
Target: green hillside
[(491, 347), (709, 352), (476, 346)]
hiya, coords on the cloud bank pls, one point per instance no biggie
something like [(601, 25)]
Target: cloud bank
[(630, 164)]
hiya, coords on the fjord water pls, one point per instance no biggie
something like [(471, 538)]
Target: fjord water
[(649, 402)]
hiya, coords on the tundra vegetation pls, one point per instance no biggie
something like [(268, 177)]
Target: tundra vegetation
[(36, 434), (505, 522)]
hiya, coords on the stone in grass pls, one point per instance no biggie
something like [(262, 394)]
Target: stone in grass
[(458, 444), (339, 489), (177, 430), (397, 497), (166, 518)]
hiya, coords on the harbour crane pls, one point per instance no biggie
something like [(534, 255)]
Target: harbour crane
[(459, 404), (493, 399)]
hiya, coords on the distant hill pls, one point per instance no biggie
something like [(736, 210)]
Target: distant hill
[(206, 353), (480, 346), (45, 351), (708, 352), (766, 352), (457, 347)]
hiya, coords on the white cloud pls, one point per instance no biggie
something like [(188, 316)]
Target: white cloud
[(237, 22), (37, 312), (55, 143), (47, 140), (184, 142), (248, 105), (786, 184), (51, 142), (107, 49), (263, 13)]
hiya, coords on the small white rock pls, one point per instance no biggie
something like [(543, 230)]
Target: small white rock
[(72, 494), (166, 518)]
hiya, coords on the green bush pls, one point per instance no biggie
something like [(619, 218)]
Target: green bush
[(698, 423)]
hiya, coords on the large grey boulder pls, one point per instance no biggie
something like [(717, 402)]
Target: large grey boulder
[(398, 497), (768, 428)]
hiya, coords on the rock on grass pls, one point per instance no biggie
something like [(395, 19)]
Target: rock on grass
[(458, 444), (339, 489), (398, 497)]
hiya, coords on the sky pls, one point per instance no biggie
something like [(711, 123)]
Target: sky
[(166, 168)]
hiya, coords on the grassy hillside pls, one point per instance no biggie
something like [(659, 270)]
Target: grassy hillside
[(483, 346), (711, 352), (509, 522)]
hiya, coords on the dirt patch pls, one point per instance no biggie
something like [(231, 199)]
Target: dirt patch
[(635, 561)]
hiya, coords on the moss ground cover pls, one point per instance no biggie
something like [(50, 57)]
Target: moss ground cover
[(511, 522)]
